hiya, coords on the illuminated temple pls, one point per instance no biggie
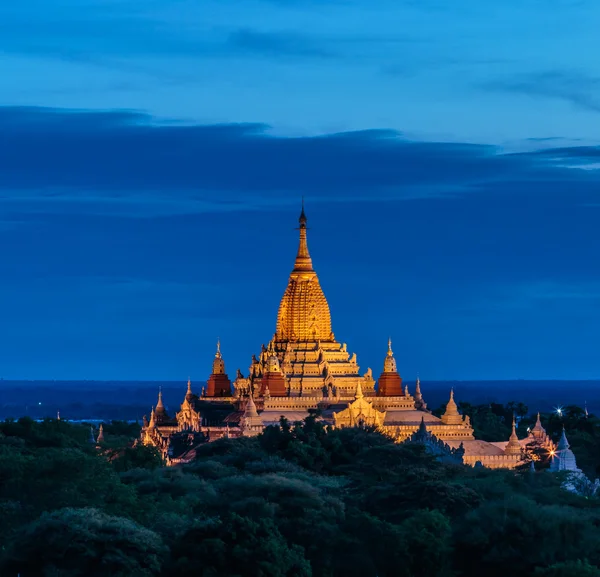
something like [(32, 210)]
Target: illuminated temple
[(305, 368)]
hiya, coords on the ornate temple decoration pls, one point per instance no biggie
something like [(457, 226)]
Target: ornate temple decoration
[(160, 414), (218, 384), (514, 446), (312, 362), (303, 311), (390, 382), (420, 404), (538, 435), (452, 416), (436, 447), (303, 368), (188, 418), (251, 423), (272, 383), (359, 413)]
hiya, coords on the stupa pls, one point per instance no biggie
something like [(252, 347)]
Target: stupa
[(313, 362), (304, 369)]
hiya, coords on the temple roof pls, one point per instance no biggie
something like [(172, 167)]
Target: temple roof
[(303, 312), (414, 417), (474, 447)]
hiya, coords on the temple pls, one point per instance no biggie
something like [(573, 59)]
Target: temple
[(304, 369)]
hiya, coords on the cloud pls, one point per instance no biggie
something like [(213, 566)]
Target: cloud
[(578, 88), (129, 158), (277, 44)]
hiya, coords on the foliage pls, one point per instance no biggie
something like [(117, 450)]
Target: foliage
[(86, 543), (568, 569), (298, 500)]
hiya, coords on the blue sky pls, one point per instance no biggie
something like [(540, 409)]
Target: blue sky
[(153, 156)]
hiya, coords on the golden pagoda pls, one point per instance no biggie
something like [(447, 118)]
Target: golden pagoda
[(304, 368), (312, 362)]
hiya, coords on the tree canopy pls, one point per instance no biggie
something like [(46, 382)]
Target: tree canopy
[(299, 500)]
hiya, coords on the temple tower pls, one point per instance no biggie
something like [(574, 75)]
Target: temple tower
[(564, 459), (218, 384), (160, 413), (189, 395), (273, 383), (513, 447), (303, 312), (390, 382), (311, 362), (251, 423), (452, 416), (420, 403)]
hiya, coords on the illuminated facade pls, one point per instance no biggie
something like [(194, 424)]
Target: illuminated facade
[(304, 368)]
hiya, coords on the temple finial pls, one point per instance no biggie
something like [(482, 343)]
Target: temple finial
[(389, 364), (513, 446), (218, 353), (303, 262)]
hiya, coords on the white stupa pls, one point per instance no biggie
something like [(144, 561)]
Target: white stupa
[(564, 459)]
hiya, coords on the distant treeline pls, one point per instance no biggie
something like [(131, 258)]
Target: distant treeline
[(296, 501)]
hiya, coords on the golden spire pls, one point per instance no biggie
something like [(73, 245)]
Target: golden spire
[(189, 394), (389, 365), (418, 395), (303, 312), (513, 447), (218, 363), (160, 408), (303, 264)]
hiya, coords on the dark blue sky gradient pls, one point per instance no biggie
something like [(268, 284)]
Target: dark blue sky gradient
[(153, 157), (131, 244)]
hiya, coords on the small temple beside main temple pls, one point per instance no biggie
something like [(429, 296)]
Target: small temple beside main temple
[(305, 370)]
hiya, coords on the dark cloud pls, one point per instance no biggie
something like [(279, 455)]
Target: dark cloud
[(578, 88), (122, 153)]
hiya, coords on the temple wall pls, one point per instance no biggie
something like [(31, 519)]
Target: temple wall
[(444, 432), (493, 461)]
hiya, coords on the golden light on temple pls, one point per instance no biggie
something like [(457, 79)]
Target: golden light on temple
[(303, 312), (303, 367)]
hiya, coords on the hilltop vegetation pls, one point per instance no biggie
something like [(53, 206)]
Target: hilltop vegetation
[(294, 502)]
